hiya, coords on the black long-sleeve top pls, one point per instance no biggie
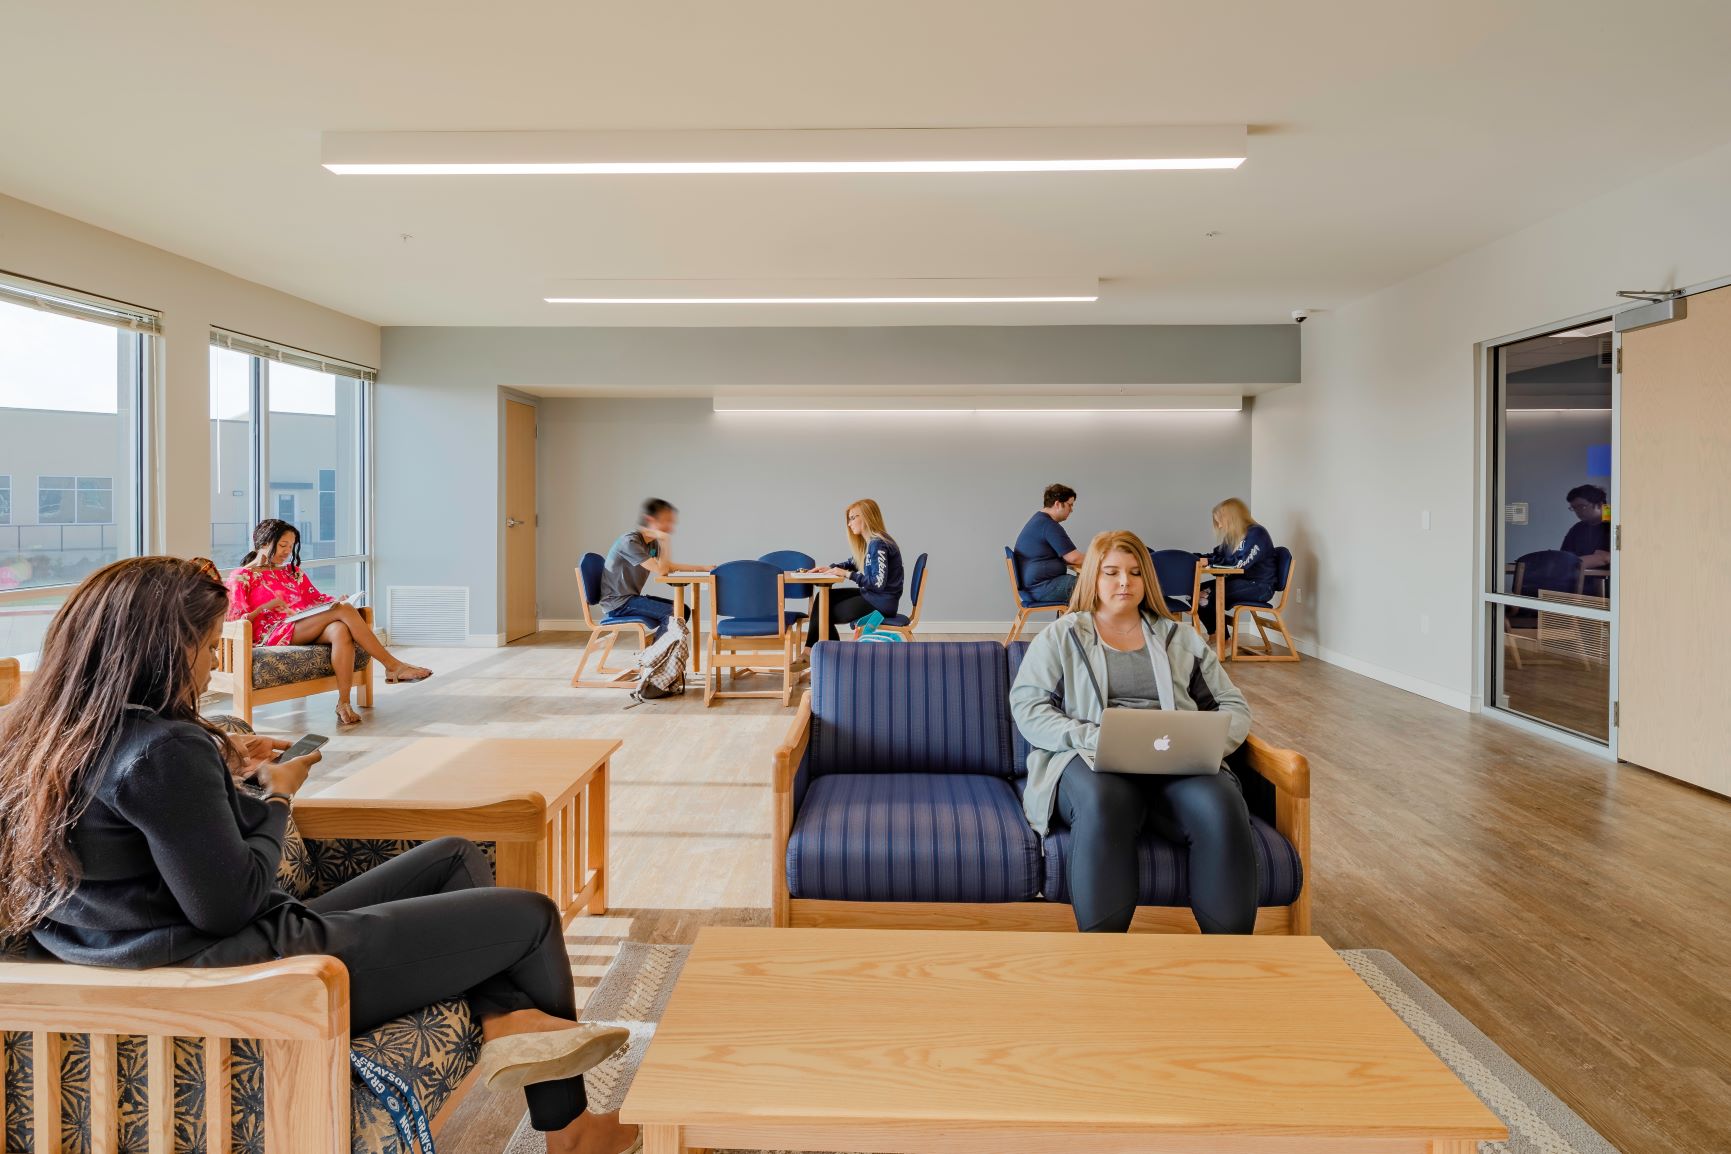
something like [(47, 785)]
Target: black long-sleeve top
[(174, 858)]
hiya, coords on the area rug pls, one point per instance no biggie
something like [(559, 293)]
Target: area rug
[(635, 990)]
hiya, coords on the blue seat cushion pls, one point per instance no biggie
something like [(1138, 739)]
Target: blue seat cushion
[(936, 707), (896, 619), (912, 837), (1029, 601), (612, 620), (753, 626), (1162, 868)]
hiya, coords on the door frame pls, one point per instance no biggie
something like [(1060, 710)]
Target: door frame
[(507, 394)]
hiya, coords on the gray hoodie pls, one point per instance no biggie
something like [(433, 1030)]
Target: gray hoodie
[(1057, 731)]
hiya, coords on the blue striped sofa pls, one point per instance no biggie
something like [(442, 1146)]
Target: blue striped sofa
[(898, 803)]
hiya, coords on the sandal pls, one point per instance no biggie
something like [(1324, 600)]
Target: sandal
[(407, 672), (346, 716)]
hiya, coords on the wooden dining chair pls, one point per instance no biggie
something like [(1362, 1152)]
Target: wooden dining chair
[(904, 624), (1264, 613), (753, 629), (1177, 569), (603, 632), (1026, 605), (11, 680)]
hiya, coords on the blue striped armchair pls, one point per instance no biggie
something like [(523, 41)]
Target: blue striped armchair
[(898, 804)]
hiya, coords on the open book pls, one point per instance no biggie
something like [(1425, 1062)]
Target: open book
[(355, 599)]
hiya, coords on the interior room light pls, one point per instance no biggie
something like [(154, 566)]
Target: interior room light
[(878, 291), (1043, 404), (785, 152)]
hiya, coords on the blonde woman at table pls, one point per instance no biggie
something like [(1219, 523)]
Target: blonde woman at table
[(876, 566), (1240, 543), (1120, 642)]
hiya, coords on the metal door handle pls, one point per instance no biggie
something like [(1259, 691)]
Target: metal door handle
[(512, 522)]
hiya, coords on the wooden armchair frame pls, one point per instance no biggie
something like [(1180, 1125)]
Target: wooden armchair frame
[(1288, 771), (1024, 611), (601, 641), (11, 680), (771, 651), (1275, 620), (233, 673)]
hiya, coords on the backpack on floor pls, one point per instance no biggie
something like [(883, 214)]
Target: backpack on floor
[(661, 667)]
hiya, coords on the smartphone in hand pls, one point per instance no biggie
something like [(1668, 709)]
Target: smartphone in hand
[(302, 747)]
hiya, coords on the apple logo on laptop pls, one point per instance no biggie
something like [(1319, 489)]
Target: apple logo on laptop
[(1163, 743)]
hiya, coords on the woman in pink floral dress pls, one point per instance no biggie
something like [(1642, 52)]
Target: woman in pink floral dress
[(270, 586)]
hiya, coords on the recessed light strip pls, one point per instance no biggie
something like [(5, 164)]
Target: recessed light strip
[(776, 152), (828, 291), (1046, 403), (815, 300)]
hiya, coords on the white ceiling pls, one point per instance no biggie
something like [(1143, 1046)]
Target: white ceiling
[(1388, 136)]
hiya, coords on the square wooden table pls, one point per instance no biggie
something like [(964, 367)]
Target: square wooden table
[(1015, 1043), (543, 802)]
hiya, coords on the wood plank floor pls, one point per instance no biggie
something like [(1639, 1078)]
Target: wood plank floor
[(1577, 911)]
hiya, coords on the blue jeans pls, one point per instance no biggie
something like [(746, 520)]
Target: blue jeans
[(1054, 590), (656, 609)]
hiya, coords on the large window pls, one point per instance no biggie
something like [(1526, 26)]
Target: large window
[(289, 439), (73, 377)]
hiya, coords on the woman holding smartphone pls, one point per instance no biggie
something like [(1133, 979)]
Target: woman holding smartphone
[(125, 842), (270, 587)]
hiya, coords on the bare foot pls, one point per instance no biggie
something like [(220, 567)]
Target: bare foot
[(346, 714), (592, 1134)]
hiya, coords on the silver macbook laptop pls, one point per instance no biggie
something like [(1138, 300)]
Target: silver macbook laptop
[(1176, 742)]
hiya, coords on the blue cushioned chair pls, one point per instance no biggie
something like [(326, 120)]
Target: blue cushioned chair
[(1266, 613), (604, 631), (1025, 604), (1176, 572), (898, 804), (904, 624), (753, 628)]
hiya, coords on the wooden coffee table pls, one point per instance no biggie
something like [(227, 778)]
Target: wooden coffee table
[(543, 801), (1003, 1043)]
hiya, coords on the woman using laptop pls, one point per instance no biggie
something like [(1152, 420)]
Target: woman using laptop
[(124, 842), (876, 566), (1120, 647), (270, 590)]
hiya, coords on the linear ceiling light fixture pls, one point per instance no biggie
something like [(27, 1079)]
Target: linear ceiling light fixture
[(1046, 403), (905, 291), (841, 150)]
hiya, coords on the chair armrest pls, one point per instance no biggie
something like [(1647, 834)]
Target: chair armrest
[(293, 999), (1286, 769), (792, 749)]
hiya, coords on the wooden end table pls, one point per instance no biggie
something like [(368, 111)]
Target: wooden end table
[(543, 802), (975, 1042)]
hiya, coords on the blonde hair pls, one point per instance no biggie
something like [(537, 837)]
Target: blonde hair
[(874, 526), (1086, 598), (1232, 520)]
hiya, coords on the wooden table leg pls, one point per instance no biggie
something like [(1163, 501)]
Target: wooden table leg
[(523, 864), (663, 1140), (597, 850), (823, 612)]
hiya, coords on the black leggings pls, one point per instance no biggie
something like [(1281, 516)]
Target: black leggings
[(426, 926), (1205, 814), (1237, 592), (845, 607)]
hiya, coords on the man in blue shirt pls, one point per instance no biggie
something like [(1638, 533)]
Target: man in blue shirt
[(1045, 553)]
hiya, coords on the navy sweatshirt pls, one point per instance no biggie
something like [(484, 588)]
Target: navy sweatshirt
[(881, 578), (1254, 555)]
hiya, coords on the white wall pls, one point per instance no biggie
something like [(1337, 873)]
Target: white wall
[(440, 428), (1384, 424), (192, 298), (955, 486)]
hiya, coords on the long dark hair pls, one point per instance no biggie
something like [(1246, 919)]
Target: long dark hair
[(129, 635), (264, 539)]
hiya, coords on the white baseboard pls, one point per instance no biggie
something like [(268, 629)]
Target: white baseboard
[(1458, 698), (484, 641)]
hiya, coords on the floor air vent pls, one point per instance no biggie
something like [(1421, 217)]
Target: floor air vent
[(427, 614)]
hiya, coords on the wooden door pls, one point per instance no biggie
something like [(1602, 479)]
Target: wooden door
[(520, 614), (1674, 681)]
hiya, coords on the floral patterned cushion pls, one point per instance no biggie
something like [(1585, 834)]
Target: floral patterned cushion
[(274, 665)]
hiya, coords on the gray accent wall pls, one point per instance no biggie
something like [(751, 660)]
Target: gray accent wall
[(967, 482)]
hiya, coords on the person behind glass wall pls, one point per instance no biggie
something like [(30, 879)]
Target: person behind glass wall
[(1240, 543), (1044, 552), (876, 567), (639, 554), (1121, 631), (125, 842), (1590, 537), (270, 586)]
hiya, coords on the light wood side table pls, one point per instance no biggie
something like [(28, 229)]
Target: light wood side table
[(542, 801)]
